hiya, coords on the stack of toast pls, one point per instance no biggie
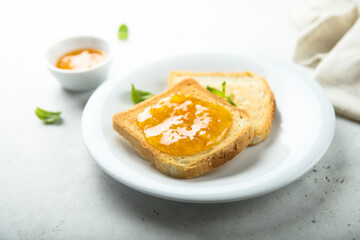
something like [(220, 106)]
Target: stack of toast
[(252, 118)]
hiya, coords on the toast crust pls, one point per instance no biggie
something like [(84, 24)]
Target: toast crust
[(125, 123), (263, 123)]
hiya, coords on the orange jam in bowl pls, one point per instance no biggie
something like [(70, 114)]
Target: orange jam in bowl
[(80, 59), (184, 125)]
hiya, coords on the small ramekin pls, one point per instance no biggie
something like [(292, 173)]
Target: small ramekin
[(82, 79)]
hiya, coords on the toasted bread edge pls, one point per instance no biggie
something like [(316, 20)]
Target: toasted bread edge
[(262, 131), (173, 169)]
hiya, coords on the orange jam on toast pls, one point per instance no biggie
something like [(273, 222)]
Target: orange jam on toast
[(184, 125)]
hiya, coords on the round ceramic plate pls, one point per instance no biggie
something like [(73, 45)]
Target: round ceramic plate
[(302, 131)]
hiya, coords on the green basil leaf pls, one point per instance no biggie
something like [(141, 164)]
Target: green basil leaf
[(221, 93), (230, 101), (123, 32), (215, 91), (46, 116), (138, 95)]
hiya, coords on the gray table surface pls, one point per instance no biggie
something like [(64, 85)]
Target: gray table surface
[(51, 188)]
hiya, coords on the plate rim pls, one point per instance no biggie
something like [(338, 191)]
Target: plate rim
[(326, 107)]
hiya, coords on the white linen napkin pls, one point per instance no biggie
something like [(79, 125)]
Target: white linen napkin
[(330, 39), (339, 74), (303, 15), (322, 26)]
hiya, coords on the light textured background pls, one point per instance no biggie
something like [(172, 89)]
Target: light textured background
[(50, 188)]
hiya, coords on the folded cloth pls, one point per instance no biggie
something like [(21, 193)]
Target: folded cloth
[(322, 25), (339, 74), (306, 14), (330, 40)]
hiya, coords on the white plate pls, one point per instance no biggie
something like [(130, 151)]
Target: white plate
[(302, 131)]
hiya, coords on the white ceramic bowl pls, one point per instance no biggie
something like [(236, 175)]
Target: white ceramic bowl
[(82, 79)]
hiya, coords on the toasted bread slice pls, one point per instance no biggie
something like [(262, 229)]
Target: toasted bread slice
[(239, 136), (248, 90)]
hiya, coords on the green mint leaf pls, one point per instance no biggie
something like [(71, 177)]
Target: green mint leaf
[(139, 96), (221, 93), (215, 91), (230, 101), (46, 116), (123, 32)]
